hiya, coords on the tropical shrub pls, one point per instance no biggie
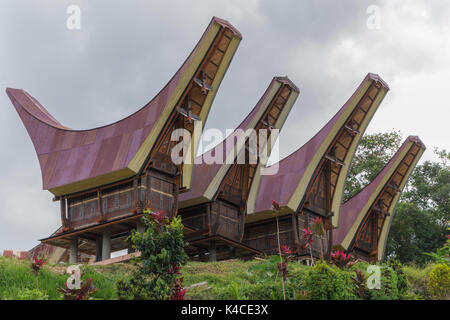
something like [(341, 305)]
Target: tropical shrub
[(442, 255), (389, 286), (402, 283), (439, 283), (162, 248), (325, 282)]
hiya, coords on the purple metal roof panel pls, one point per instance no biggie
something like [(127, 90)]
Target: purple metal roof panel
[(292, 168), (96, 150), (204, 173)]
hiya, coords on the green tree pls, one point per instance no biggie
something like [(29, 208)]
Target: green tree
[(372, 154)]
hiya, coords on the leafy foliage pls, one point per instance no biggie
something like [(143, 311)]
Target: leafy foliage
[(439, 283), (389, 286), (442, 255), (374, 151), (162, 250), (325, 282), (235, 291), (268, 269), (402, 283), (360, 281)]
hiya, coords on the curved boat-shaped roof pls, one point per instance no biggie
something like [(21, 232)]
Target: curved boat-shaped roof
[(75, 160), (394, 175), (296, 172), (207, 177)]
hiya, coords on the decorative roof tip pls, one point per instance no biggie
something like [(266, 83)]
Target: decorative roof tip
[(377, 78), (417, 140), (287, 81), (30, 105), (227, 24)]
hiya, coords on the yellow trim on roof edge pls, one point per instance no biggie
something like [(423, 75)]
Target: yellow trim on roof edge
[(387, 222), (340, 185), (141, 155), (187, 168), (254, 189)]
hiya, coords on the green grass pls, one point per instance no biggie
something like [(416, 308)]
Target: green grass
[(225, 280), (222, 276), (418, 280), (16, 278)]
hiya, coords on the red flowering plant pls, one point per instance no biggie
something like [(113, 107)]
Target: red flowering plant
[(177, 289), (286, 253), (341, 259), (308, 237), (36, 267), (318, 228), (84, 292)]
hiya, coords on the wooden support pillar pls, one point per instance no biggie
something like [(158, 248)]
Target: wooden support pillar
[(212, 252), (175, 201), (135, 190), (63, 213), (330, 242), (106, 244), (100, 205), (144, 189), (73, 257), (208, 214), (295, 232), (98, 249), (232, 252)]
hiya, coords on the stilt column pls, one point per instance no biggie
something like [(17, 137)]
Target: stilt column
[(73, 258), (106, 247), (212, 252), (98, 249)]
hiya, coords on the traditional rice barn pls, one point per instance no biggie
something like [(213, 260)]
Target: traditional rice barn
[(366, 217), (105, 177), (309, 183), (213, 210)]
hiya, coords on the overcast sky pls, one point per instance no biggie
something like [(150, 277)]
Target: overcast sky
[(126, 51)]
